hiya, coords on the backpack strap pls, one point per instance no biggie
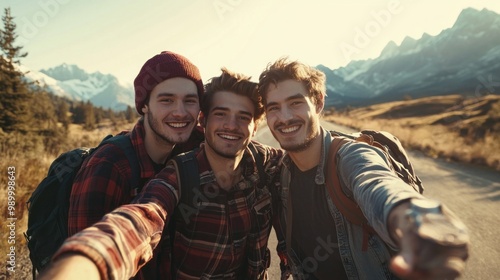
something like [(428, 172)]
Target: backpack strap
[(259, 162), (347, 206), (124, 142)]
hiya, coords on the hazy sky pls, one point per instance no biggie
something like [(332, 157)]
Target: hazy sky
[(117, 37)]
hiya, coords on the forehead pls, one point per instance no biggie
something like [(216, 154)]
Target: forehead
[(285, 89), (231, 101), (176, 86)]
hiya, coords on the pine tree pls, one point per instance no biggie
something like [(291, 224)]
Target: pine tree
[(90, 122), (15, 94), (131, 114)]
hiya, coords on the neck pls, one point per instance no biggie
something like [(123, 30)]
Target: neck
[(227, 171), (157, 149), (308, 158)]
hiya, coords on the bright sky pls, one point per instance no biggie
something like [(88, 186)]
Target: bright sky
[(117, 37)]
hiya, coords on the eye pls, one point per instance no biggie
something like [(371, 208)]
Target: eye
[(246, 118), (165, 100), (272, 108), (296, 103), (192, 101)]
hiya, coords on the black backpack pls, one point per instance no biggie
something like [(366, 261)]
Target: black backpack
[(48, 205)]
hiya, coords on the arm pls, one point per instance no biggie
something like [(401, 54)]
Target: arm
[(123, 241), (425, 252)]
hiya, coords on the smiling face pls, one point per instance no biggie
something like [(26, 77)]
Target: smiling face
[(229, 125), (172, 110), (291, 115)]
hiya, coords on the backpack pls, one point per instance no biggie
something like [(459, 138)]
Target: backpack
[(48, 205), (399, 163)]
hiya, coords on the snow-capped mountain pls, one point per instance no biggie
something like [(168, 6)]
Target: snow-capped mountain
[(74, 83), (462, 59)]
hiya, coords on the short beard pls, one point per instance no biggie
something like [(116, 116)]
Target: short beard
[(155, 127), (311, 136), (220, 153)]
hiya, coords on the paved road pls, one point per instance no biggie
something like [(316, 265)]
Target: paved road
[(472, 193)]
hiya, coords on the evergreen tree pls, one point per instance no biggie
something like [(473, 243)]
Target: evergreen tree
[(15, 95), (78, 113), (62, 112), (90, 122), (131, 114)]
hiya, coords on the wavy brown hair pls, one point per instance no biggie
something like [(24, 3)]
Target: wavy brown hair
[(283, 69), (236, 83)]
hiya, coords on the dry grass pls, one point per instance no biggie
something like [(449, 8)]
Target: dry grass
[(449, 127), (31, 167)]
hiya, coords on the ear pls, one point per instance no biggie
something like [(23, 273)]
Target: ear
[(320, 104), (202, 120), (145, 109)]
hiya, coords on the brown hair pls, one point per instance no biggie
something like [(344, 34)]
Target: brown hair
[(282, 69), (236, 83)]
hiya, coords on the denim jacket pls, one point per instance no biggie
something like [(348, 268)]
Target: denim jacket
[(365, 174)]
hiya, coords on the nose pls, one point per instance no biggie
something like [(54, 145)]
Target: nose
[(285, 114), (179, 110), (231, 123)]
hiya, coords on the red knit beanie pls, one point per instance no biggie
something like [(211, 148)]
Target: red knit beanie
[(159, 68)]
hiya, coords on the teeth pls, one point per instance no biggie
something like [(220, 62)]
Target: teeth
[(229, 137), (290, 129), (178, 124)]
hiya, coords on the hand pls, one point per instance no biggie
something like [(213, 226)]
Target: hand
[(70, 266), (433, 245)]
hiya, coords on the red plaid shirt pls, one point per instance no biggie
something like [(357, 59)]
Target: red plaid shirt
[(104, 181), (225, 239)]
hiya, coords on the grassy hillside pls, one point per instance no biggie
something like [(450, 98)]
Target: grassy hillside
[(451, 127)]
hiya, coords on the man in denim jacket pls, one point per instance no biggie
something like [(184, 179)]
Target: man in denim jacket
[(321, 243)]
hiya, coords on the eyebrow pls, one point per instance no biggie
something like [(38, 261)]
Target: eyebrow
[(296, 96), (168, 94), (219, 108)]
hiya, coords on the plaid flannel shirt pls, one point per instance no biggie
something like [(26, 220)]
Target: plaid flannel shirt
[(104, 182), (226, 238)]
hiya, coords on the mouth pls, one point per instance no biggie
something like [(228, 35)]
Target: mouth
[(230, 137), (178, 124), (288, 129)]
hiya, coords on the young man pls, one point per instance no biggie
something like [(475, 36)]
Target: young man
[(221, 232), (167, 93), (323, 243)]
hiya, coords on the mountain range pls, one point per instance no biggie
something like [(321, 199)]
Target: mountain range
[(463, 59), (72, 82)]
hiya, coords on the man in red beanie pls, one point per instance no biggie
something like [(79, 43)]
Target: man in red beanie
[(167, 93)]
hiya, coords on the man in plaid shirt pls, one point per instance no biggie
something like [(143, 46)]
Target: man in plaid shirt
[(225, 237), (167, 93)]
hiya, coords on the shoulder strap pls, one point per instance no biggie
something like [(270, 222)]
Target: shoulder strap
[(259, 162), (189, 177), (124, 142), (348, 207)]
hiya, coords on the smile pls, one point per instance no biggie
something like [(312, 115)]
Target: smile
[(229, 137), (290, 129), (177, 124)]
